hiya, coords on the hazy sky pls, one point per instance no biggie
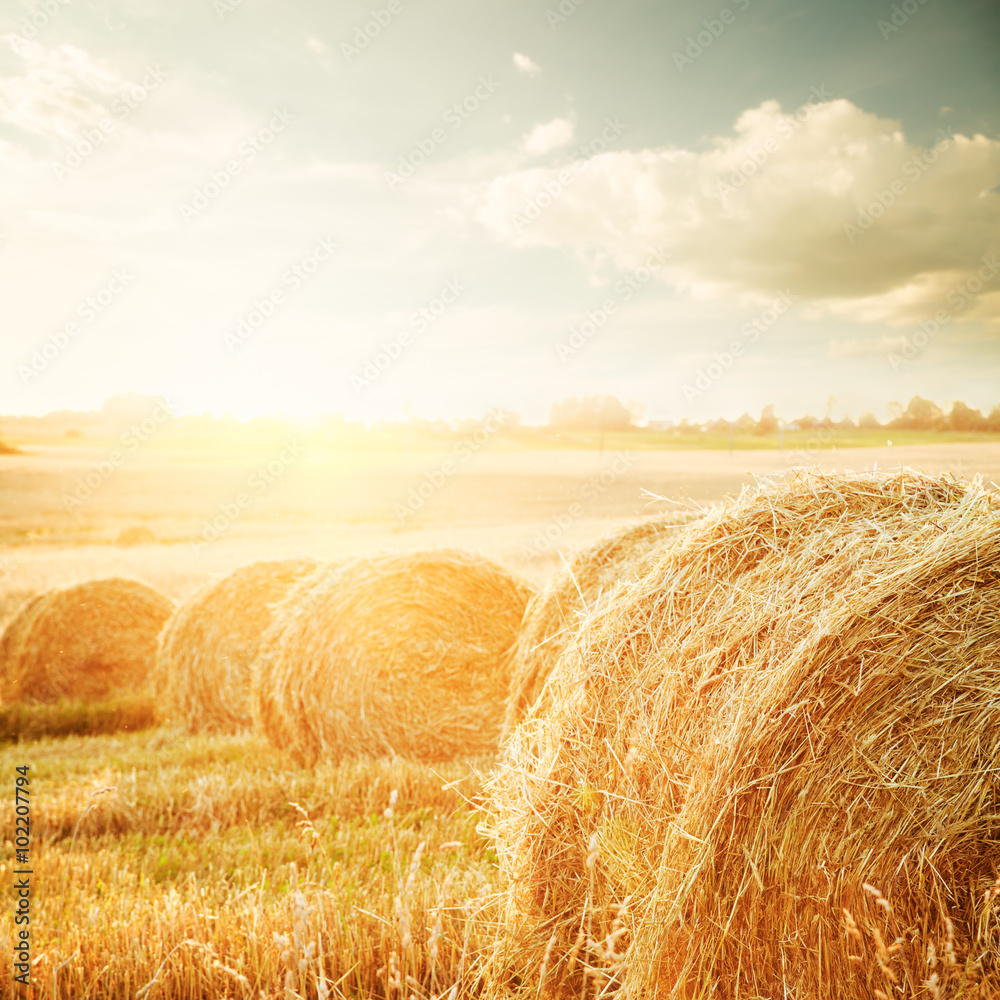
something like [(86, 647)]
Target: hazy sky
[(314, 207)]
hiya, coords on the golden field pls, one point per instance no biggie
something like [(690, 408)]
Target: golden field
[(168, 865)]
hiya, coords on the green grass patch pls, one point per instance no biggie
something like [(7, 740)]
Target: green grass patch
[(20, 722)]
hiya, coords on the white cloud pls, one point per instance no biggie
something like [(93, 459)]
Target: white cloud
[(49, 99), (525, 65), (545, 137), (772, 207)]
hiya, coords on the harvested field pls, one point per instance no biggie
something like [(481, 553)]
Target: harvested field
[(191, 861), (405, 655), (205, 652), (769, 765)]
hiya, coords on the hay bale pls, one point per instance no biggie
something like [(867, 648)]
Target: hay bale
[(203, 658), (84, 642), (12, 643), (555, 613), (800, 700), (404, 654)]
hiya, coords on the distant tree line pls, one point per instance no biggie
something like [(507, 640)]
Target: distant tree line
[(608, 413), (593, 413), (601, 413), (923, 415)]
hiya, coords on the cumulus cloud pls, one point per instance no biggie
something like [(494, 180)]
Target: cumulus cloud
[(830, 202), (525, 65), (545, 137)]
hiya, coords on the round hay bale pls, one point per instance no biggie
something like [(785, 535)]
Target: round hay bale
[(404, 654), (204, 655), (769, 767), (272, 712), (84, 642), (12, 643), (555, 613)]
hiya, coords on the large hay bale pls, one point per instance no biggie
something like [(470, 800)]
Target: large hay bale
[(204, 655), (796, 710), (84, 642), (556, 612), (406, 654)]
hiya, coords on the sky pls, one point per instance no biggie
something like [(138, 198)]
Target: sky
[(394, 206)]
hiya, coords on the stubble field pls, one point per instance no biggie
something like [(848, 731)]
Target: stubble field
[(167, 865)]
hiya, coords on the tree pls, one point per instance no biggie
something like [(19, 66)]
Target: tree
[(510, 420), (868, 421), (964, 418), (768, 423), (636, 409), (920, 415), (590, 413)]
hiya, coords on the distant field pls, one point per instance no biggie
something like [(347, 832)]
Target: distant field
[(523, 507), (640, 439)]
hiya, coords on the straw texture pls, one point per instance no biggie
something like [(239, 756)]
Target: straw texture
[(84, 642), (205, 652), (770, 767), (404, 654), (555, 613), (12, 640)]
